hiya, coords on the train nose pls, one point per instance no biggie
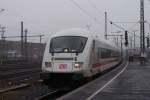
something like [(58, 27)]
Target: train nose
[(66, 66), (62, 67)]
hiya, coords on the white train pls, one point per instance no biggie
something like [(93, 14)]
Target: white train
[(75, 54)]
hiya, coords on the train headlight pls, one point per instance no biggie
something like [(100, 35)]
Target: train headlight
[(77, 64), (48, 64)]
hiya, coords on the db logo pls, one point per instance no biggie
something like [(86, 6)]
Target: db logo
[(62, 66)]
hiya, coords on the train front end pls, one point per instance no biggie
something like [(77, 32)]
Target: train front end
[(65, 58)]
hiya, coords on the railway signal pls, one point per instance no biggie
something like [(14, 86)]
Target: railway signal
[(147, 42), (126, 38)]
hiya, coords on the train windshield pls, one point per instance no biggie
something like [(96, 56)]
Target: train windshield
[(67, 44)]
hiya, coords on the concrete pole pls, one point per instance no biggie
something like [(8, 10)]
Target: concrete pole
[(142, 27), (106, 25), (22, 41)]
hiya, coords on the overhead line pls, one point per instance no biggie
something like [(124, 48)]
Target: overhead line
[(20, 36), (133, 26), (94, 6), (117, 26), (122, 28), (83, 10), (125, 22)]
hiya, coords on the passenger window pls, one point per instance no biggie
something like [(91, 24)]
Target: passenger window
[(99, 53), (93, 45), (105, 53)]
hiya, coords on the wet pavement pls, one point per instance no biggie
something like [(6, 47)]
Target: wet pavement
[(132, 84)]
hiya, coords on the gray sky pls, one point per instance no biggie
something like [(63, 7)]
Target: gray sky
[(49, 16)]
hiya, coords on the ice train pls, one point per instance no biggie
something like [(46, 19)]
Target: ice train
[(75, 54)]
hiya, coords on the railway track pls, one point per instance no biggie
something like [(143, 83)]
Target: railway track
[(19, 93), (7, 67), (14, 88), (46, 96), (54, 94), (11, 74), (49, 94)]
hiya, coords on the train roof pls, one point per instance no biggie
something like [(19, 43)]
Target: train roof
[(73, 32), (84, 33), (109, 43)]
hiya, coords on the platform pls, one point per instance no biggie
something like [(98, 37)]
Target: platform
[(129, 81)]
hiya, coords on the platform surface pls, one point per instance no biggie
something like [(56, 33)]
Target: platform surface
[(127, 82)]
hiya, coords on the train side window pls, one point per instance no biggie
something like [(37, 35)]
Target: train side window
[(93, 47), (105, 53), (99, 53)]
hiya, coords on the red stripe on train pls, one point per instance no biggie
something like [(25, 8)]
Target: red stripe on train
[(99, 64)]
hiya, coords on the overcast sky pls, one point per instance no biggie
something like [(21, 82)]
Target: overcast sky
[(50, 16)]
